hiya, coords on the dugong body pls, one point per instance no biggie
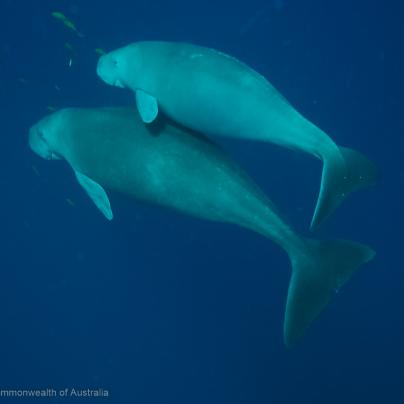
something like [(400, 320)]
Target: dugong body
[(111, 149), (216, 94)]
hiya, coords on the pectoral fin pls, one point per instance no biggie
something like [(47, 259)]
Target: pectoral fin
[(147, 106), (97, 194)]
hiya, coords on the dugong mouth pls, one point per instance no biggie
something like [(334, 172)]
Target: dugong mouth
[(118, 83)]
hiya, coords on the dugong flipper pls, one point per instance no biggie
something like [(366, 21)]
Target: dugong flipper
[(216, 94), (96, 193), (147, 106), (181, 169)]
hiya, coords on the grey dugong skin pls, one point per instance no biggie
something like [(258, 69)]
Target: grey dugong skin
[(111, 148), (214, 93)]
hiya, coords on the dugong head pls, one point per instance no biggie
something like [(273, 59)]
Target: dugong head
[(113, 68), (43, 139)]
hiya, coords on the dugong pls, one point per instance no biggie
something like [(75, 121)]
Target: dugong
[(110, 149), (216, 94)]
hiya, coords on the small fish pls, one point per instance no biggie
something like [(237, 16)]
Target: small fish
[(68, 23), (69, 47), (99, 51), (71, 51), (58, 15), (35, 170), (70, 202)]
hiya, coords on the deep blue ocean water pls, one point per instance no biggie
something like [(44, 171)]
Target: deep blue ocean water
[(156, 307)]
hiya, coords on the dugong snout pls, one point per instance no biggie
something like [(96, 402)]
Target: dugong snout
[(101, 66), (39, 144), (108, 70)]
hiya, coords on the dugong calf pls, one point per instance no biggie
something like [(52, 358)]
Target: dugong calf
[(111, 149), (216, 94)]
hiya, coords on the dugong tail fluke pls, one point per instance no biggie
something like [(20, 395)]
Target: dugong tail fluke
[(315, 280), (343, 173)]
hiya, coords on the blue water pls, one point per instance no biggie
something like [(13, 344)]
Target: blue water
[(156, 307)]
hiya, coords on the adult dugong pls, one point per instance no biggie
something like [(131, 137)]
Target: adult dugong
[(111, 149), (216, 94)]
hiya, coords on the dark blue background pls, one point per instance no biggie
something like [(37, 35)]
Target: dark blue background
[(161, 308)]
